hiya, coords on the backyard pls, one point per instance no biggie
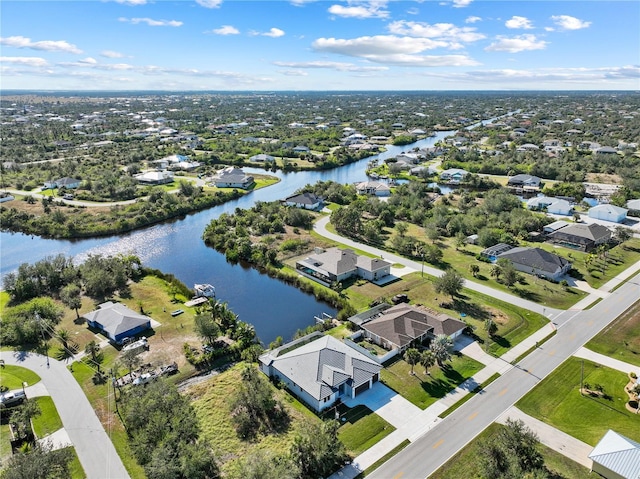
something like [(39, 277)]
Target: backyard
[(558, 402)]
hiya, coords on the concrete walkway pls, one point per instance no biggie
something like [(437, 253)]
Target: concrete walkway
[(551, 437), (93, 446), (598, 358), (57, 440)]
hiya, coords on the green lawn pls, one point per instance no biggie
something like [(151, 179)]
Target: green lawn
[(4, 300), (12, 377), (75, 468), (361, 428), (621, 339), (465, 463), (558, 402), (49, 421), (423, 390), (5, 442)]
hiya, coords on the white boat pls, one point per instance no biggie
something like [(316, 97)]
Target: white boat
[(204, 290)]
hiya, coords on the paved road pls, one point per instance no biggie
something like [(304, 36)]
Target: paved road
[(320, 227), (93, 446), (429, 452)]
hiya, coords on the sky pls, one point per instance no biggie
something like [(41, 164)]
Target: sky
[(275, 45)]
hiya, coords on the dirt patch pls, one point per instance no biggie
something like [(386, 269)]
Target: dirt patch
[(603, 178)]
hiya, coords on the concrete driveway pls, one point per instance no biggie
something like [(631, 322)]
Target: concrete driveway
[(387, 404)]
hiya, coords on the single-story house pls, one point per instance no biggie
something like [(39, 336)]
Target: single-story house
[(403, 325), (66, 182), (453, 175), (320, 370), (608, 212), (308, 201), (492, 252), (337, 264), (374, 188), (301, 149), (155, 177), (606, 150), (117, 322), (555, 206), (232, 177), (555, 226), (616, 457), (537, 261), (524, 181), (261, 158), (583, 237)]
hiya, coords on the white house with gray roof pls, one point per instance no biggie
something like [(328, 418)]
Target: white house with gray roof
[(337, 264), (608, 212), (320, 370), (616, 457), (537, 261), (232, 177)]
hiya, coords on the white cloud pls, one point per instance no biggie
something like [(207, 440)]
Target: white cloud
[(131, 2), (294, 73), (151, 22), (339, 66), (519, 22), (472, 19), (111, 54), (225, 30), (92, 63), (566, 22), (441, 31), (516, 44), (461, 3), (209, 3), (46, 45), (404, 60), (28, 61), (273, 33), (372, 9)]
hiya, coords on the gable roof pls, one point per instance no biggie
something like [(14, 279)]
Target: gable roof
[(339, 261), (524, 178), (116, 318), (320, 366), (633, 204), (609, 209), (583, 233), (304, 199), (535, 258), (619, 454)]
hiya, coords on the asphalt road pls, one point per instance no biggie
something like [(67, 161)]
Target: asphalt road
[(95, 450), (424, 456)]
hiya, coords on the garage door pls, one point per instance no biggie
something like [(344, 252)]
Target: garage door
[(362, 388)]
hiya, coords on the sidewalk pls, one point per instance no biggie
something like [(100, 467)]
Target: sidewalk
[(616, 364), (551, 437), (626, 274)]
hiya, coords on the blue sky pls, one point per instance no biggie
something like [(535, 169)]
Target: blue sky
[(320, 45)]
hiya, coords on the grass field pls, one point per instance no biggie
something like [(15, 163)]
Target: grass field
[(423, 390), (49, 421), (558, 402), (12, 377), (361, 429), (621, 339), (465, 462)]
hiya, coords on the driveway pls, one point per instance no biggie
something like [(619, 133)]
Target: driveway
[(92, 444)]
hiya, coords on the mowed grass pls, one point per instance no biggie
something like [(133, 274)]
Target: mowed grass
[(361, 428), (514, 323), (621, 339), (5, 442), (423, 390), (465, 463), (558, 402), (12, 377), (48, 421)]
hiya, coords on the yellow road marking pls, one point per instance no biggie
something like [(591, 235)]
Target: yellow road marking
[(438, 444), (552, 352), (472, 416), (503, 392), (399, 475)]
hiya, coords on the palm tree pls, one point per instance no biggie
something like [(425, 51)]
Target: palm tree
[(412, 356), (441, 347), (427, 359), (63, 336), (496, 272), (93, 348), (475, 269)]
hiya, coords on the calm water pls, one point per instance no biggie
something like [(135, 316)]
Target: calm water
[(176, 247)]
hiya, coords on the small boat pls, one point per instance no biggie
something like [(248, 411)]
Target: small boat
[(204, 290)]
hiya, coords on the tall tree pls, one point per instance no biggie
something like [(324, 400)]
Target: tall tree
[(412, 356), (206, 327), (40, 462), (442, 345), (427, 359), (317, 450), (450, 282), (71, 297)]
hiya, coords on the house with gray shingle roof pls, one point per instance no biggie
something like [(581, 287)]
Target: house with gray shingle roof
[(337, 264), (233, 177), (308, 201), (616, 457), (583, 237), (537, 261), (320, 369), (117, 322)]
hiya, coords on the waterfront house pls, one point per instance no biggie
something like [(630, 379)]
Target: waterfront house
[(537, 261), (117, 322), (524, 181), (453, 175), (608, 212), (261, 158), (583, 237), (320, 370), (308, 201), (373, 188), (337, 264), (155, 177), (233, 177)]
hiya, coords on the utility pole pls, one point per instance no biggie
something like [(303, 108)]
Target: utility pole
[(581, 376)]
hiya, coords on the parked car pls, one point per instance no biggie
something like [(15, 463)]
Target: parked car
[(169, 369), (12, 398), (144, 379)]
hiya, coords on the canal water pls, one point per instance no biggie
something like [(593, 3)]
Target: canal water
[(272, 306)]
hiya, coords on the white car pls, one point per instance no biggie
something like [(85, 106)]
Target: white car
[(12, 398), (143, 379)]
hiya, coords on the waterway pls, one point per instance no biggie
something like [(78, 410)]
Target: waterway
[(273, 307)]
